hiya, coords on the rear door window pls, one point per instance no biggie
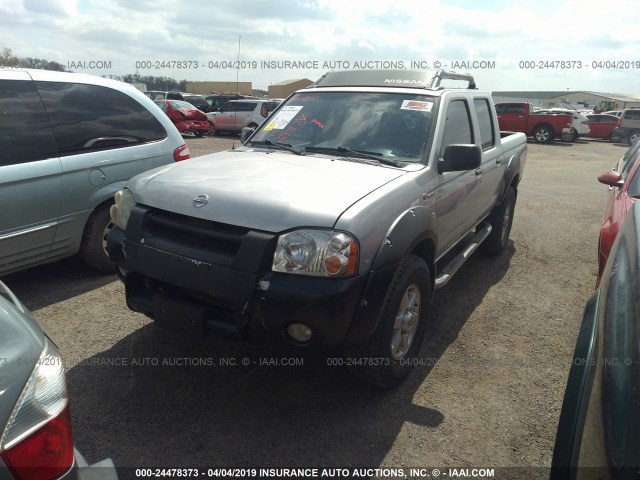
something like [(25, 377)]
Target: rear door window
[(91, 117), (25, 134), (485, 123)]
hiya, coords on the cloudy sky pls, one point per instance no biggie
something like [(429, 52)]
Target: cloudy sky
[(507, 45)]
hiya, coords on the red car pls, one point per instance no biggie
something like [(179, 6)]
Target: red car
[(624, 181), (601, 126), (185, 116)]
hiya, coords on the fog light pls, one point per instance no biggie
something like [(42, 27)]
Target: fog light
[(299, 332)]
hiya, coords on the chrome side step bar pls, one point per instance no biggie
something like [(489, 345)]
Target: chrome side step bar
[(456, 262)]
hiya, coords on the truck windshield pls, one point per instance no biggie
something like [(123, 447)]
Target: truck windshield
[(384, 124)]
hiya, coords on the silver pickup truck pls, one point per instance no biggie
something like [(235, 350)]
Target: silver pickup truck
[(333, 223)]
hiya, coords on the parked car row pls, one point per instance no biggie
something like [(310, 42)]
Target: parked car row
[(224, 113), (544, 128)]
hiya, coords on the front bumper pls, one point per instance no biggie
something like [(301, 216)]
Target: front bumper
[(186, 292)]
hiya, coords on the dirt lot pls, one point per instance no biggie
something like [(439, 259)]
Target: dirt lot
[(496, 357)]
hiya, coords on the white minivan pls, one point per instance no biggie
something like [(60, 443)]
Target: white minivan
[(68, 142)]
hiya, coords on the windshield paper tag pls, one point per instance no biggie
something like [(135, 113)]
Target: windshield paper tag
[(284, 116), (416, 105)]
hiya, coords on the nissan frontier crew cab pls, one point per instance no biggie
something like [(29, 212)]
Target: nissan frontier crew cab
[(334, 222)]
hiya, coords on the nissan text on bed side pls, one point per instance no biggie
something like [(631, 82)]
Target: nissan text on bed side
[(332, 225)]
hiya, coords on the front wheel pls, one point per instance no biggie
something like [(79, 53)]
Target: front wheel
[(212, 129), (543, 134), (501, 219), (93, 248), (199, 133), (390, 353)]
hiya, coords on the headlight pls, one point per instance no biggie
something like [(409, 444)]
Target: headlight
[(121, 210), (316, 252)]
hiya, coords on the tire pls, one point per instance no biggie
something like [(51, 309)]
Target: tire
[(613, 138), (501, 219), (632, 137), (570, 136), (199, 133), (212, 129), (388, 356), (93, 248), (543, 134)]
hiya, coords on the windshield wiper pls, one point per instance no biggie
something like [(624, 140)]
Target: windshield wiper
[(284, 146), (360, 153)]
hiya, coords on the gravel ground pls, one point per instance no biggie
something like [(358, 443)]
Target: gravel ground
[(489, 392)]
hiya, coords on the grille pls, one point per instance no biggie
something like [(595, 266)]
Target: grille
[(195, 238)]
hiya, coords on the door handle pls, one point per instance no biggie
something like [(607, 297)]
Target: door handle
[(498, 161)]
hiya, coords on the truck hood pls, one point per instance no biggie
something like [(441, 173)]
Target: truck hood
[(269, 191)]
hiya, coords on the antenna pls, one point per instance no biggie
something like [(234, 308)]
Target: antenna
[(235, 112)]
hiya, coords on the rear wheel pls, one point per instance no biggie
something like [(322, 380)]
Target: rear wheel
[(543, 134), (613, 137), (501, 219), (93, 248), (389, 355), (633, 136), (570, 136)]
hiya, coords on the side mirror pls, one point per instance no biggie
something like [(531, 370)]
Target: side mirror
[(611, 178), (459, 158), (245, 133)]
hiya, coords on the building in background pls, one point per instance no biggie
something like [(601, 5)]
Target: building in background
[(207, 88), (287, 87)]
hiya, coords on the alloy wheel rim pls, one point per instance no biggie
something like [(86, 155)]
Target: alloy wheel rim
[(406, 322)]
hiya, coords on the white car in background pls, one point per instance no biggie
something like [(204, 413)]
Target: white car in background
[(579, 126), (234, 115)]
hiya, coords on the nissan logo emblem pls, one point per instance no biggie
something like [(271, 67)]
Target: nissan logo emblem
[(200, 201)]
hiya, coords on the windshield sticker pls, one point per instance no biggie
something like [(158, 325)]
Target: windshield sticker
[(416, 105), (284, 116)]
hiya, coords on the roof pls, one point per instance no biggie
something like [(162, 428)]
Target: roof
[(391, 78), (544, 95)]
